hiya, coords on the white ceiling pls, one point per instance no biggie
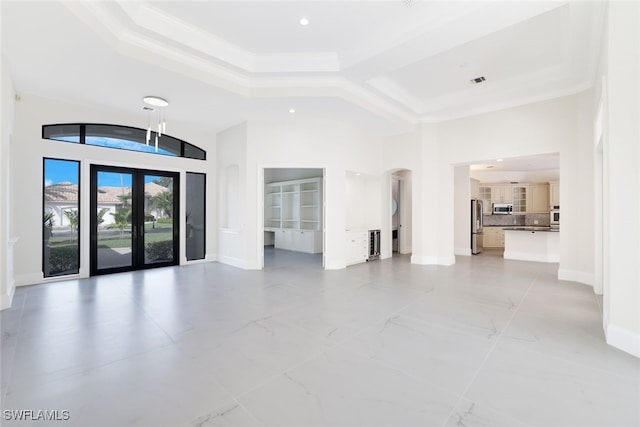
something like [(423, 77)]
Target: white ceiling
[(381, 65), (529, 163)]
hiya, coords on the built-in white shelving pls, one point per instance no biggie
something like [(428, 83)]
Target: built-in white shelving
[(295, 206)]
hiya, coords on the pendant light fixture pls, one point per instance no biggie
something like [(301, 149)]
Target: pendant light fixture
[(158, 105)]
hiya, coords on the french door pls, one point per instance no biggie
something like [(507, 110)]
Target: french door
[(134, 219)]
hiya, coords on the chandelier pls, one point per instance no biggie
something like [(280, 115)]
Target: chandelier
[(157, 105)]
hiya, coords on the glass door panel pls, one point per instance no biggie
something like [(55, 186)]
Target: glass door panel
[(114, 212), (158, 219), (134, 225)]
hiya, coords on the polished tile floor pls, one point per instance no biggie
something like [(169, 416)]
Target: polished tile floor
[(386, 343)]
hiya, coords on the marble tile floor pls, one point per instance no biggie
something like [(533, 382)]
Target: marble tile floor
[(485, 342)]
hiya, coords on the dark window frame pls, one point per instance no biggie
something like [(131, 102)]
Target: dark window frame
[(44, 161), (82, 136)]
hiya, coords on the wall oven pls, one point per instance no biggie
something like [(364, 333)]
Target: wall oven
[(554, 217)]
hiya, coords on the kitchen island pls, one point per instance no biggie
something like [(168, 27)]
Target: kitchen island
[(541, 244)]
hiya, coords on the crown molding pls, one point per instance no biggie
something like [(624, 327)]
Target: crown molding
[(140, 46), (189, 36)]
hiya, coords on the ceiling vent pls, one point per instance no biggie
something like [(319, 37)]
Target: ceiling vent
[(478, 80)]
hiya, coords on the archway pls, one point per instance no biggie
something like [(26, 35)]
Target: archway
[(397, 217)]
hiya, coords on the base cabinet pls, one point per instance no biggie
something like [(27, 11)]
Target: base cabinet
[(357, 247), (493, 237), (299, 240)]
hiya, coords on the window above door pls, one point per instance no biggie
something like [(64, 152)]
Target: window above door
[(123, 138)]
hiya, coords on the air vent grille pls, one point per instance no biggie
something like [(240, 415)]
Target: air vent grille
[(478, 80)]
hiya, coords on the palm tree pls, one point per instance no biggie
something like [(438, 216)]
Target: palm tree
[(100, 217), (120, 219), (73, 217)]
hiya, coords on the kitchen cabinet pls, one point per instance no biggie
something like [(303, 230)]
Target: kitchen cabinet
[(519, 198), (357, 247), (501, 194), (293, 211), (526, 198), (554, 193), (538, 198), (484, 194), (493, 237), (299, 240)]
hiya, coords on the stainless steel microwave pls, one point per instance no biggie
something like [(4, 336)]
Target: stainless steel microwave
[(502, 208)]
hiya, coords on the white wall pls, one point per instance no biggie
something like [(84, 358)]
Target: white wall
[(362, 201), (532, 176), (290, 174), (30, 149), (400, 154), (622, 190), (298, 144), (540, 128), (232, 196), (406, 211), (7, 283), (576, 191), (462, 210)]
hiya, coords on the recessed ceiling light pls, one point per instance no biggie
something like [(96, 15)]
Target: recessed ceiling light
[(499, 160), (304, 22), (291, 110)]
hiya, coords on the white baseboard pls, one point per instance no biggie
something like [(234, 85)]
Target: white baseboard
[(525, 256), (7, 298), (29, 279), (432, 260), (623, 339), (334, 264), (462, 251), (235, 262), (576, 276)]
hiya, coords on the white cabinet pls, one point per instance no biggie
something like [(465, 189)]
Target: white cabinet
[(357, 247), (526, 198), (493, 237), (519, 198), (299, 240), (538, 198), (554, 193), (501, 194), (293, 211), (484, 194)]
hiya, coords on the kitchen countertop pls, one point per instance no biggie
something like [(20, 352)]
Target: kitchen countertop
[(533, 229)]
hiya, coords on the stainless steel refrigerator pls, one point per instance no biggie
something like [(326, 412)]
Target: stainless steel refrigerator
[(477, 235)]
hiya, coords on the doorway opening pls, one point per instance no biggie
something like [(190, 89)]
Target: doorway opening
[(293, 221), (134, 219), (401, 212)]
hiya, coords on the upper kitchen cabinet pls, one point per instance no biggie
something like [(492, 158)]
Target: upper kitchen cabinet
[(554, 193), (526, 198), (519, 199), (538, 198), (474, 187), (501, 194), (484, 194)]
